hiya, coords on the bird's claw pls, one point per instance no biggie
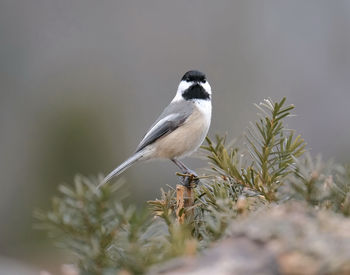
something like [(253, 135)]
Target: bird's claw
[(190, 179)]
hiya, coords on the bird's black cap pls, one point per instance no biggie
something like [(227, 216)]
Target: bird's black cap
[(194, 76)]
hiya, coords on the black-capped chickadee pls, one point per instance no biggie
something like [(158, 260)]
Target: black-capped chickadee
[(180, 129)]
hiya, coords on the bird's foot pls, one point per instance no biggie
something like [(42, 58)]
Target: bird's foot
[(189, 179)]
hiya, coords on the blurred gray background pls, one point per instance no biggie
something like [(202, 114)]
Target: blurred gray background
[(81, 81)]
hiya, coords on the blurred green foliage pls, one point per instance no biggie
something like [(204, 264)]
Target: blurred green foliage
[(107, 236)]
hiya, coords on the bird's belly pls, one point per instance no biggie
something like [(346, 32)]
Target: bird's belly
[(186, 139)]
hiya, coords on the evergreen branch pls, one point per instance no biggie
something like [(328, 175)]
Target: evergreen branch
[(108, 237)]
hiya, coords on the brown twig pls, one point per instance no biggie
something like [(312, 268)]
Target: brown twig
[(184, 200)]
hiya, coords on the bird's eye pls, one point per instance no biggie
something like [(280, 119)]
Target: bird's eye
[(188, 79), (204, 80)]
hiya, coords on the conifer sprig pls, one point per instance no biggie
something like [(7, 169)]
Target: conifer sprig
[(321, 184), (272, 149), (107, 237)]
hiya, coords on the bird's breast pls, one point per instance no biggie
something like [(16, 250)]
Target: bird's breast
[(189, 136)]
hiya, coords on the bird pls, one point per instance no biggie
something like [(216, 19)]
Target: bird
[(179, 130)]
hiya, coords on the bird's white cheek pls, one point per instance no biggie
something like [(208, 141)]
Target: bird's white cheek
[(206, 87), (183, 86)]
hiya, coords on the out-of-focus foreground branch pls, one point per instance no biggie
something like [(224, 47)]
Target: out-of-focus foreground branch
[(265, 206)]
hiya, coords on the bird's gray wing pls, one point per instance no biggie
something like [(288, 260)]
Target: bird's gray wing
[(172, 117)]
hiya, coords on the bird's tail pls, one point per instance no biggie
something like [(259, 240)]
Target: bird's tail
[(122, 167)]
